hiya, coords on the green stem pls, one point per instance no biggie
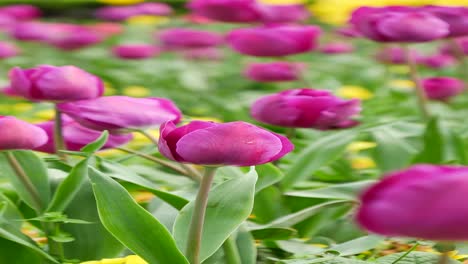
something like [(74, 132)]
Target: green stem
[(162, 162), (421, 95), (148, 135), (444, 258), (406, 253), (290, 132), (24, 179), (58, 135), (231, 252), (55, 248), (198, 217)]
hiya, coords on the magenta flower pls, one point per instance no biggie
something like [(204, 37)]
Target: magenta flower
[(77, 136), (306, 108), (234, 143), (51, 83), (115, 13), (237, 11), (71, 37), (284, 13), (183, 38), (135, 51), (398, 24), (274, 41), (438, 61), (208, 54), (153, 9), (428, 200), (442, 88), (21, 12), (455, 17), (118, 114), (395, 55), (349, 32), (337, 48), (450, 50), (17, 134), (274, 71), (8, 50), (30, 31)]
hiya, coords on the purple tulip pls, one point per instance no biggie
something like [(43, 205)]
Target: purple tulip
[(7, 23), (121, 113), (183, 38), (450, 50), (135, 51), (395, 55), (208, 54), (438, 61), (428, 200), (398, 24), (284, 13), (237, 11), (274, 41), (8, 50), (77, 136), (234, 143), (307, 108), (21, 12), (50, 83), (337, 48), (17, 134), (115, 13), (153, 9), (455, 17), (349, 32), (274, 71), (442, 88), (71, 37), (30, 31)]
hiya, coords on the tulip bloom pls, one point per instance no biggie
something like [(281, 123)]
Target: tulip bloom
[(450, 50), (395, 55), (8, 50), (455, 17), (237, 11), (234, 143), (153, 9), (398, 24), (17, 134), (50, 83), (306, 108), (77, 136), (337, 48), (428, 200), (115, 13), (284, 13), (442, 88), (274, 71), (438, 61), (118, 114), (71, 37), (30, 31), (274, 41), (183, 38), (21, 12), (135, 51)]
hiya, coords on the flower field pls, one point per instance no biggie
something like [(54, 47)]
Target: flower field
[(233, 132)]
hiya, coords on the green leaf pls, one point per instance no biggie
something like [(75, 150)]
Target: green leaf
[(316, 155), (20, 254), (131, 224), (343, 191), (229, 205), (97, 144), (36, 173), (69, 187), (120, 172), (357, 245), (414, 257), (274, 233), (268, 175), (433, 151), (10, 212), (393, 152), (246, 246), (298, 247)]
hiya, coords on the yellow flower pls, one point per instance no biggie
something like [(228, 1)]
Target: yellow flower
[(136, 91), (109, 153), (135, 260), (206, 118), (109, 89), (120, 2), (362, 163), (45, 115), (402, 84), (353, 91), (147, 20), (360, 145), (140, 140), (22, 107), (399, 69)]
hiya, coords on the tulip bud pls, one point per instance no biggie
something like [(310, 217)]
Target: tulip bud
[(438, 61), (135, 51), (8, 50), (21, 12), (182, 38), (274, 72), (50, 83), (71, 37), (306, 108), (442, 88), (423, 201), (395, 55), (118, 114), (283, 13), (234, 143), (237, 11), (17, 134)]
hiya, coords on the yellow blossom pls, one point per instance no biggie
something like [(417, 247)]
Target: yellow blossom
[(147, 20), (353, 91), (109, 89), (362, 163), (136, 91), (45, 115), (120, 2), (135, 260), (360, 145), (22, 107), (402, 84)]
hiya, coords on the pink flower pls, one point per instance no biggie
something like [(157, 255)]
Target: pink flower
[(71, 37), (274, 71), (442, 88), (234, 143), (284, 13), (423, 201), (395, 55), (438, 61), (17, 134), (455, 17), (21, 12), (307, 108), (8, 50), (135, 51), (184, 38), (237, 11), (337, 48)]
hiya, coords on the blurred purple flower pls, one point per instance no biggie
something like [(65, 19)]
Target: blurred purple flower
[(273, 14), (274, 71), (395, 55), (17, 134), (455, 17), (135, 51), (21, 12), (337, 48), (8, 50), (442, 88), (237, 11), (438, 61), (185, 38)]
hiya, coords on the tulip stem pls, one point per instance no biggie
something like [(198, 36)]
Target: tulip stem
[(290, 132), (421, 95), (24, 179), (444, 258), (231, 252), (58, 135), (55, 248), (148, 135), (198, 217), (460, 55), (162, 162)]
